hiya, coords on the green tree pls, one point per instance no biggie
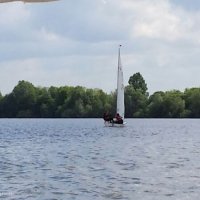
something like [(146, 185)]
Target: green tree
[(135, 102), (24, 95), (26, 100), (137, 82), (45, 104), (173, 104), (192, 101), (8, 106), (155, 107), (136, 96), (1, 98)]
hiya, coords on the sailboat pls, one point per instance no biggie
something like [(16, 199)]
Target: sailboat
[(119, 118)]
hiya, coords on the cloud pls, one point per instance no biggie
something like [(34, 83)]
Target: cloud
[(11, 15), (157, 21), (47, 72), (76, 44)]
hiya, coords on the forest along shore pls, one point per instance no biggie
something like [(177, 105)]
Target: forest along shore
[(29, 101)]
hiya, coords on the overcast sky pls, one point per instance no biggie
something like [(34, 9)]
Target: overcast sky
[(76, 42)]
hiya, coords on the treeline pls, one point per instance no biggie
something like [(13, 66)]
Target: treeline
[(28, 101)]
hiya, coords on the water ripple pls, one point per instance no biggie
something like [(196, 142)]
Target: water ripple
[(80, 159)]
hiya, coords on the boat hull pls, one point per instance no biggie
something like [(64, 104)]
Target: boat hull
[(109, 124)]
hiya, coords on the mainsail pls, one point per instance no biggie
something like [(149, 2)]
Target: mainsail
[(120, 88)]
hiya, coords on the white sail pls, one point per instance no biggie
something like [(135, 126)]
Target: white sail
[(120, 88)]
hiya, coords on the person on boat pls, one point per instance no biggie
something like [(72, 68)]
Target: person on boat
[(118, 119), (107, 117)]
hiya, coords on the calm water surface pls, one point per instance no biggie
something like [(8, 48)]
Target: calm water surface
[(80, 159)]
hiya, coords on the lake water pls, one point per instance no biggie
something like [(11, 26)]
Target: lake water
[(80, 159)]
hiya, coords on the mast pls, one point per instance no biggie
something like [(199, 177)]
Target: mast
[(120, 87)]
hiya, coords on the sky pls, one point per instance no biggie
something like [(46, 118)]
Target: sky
[(74, 43)]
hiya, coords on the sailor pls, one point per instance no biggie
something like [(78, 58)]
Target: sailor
[(107, 117), (118, 119)]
